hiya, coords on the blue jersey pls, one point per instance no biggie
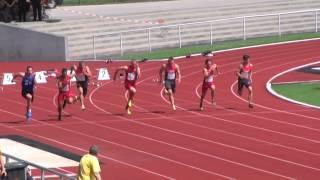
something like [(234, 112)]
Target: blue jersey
[(28, 83)]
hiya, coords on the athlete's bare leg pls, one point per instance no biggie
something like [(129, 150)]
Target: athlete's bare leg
[(213, 89), (132, 91), (203, 95), (250, 96), (171, 98), (81, 98), (28, 107), (29, 99), (60, 105)]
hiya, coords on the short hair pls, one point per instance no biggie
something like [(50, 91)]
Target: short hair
[(245, 57), (207, 60), (64, 70), (170, 58), (93, 150), (28, 67)]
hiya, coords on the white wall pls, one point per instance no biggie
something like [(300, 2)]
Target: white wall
[(19, 44)]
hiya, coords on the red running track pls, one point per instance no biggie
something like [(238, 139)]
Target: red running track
[(275, 140)]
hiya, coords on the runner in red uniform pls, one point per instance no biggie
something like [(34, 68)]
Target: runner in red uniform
[(169, 73), (82, 75), (244, 74), (209, 72), (65, 94), (132, 74)]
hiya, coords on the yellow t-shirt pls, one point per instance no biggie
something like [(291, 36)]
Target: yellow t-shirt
[(89, 165)]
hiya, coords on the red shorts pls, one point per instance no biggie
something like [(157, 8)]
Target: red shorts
[(206, 86), (128, 85), (64, 95)]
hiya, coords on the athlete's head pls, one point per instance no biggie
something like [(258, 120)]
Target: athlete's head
[(64, 72), (208, 62), (246, 58), (134, 63), (81, 64), (170, 60), (29, 70)]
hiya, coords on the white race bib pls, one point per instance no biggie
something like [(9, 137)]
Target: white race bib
[(65, 88), (171, 75), (80, 77), (131, 76), (245, 75), (209, 79)]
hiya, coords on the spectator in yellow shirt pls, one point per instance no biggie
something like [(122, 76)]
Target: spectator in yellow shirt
[(89, 168)]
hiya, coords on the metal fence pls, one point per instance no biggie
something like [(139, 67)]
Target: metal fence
[(205, 32), (43, 170)]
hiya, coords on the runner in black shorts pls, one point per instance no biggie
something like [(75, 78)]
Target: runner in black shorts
[(171, 74), (244, 74), (28, 83), (82, 75)]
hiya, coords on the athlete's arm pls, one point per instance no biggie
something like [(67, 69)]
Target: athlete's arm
[(238, 71), (87, 71), (205, 72), (121, 68), (21, 75), (59, 83), (178, 73), (138, 73), (161, 73), (217, 70), (250, 74)]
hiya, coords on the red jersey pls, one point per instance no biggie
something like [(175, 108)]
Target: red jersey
[(131, 74), (245, 70), (171, 72), (80, 76), (209, 78), (66, 84)]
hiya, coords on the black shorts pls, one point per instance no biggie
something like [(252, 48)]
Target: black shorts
[(243, 82), (24, 94), (84, 85), (170, 84)]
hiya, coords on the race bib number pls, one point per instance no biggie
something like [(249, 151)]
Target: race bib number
[(245, 75), (7, 79), (80, 77), (73, 79), (103, 74), (209, 79), (171, 75), (40, 77), (65, 88), (131, 76)]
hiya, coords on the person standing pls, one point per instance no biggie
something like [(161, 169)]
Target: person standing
[(28, 84), (89, 168), (22, 4), (169, 74), (37, 10)]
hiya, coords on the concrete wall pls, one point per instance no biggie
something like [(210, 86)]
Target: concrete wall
[(19, 44)]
